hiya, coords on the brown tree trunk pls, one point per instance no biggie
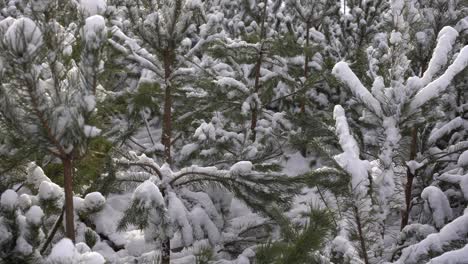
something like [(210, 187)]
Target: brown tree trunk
[(254, 117), (68, 186), (166, 139), (258, 66), (362, 240), (167, 115), (409, 179)]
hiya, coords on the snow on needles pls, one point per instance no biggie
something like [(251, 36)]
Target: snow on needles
[(439, 85), (446, 40), (347, 76), (349, 159), (148, 195), (439, 205)]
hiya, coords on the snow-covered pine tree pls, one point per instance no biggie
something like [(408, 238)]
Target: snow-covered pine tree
[(304, 47), (49, 80), (353, 29), (397, 108), (168, 60), (31, 217), (190, 207)]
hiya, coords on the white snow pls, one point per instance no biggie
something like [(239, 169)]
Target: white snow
[(34, 215), (347, 76), (439, 205), (455, 230), (228, 81), (463, 159), (148, 195), (64, 251), (458, 256), (36, 175), (464, 186), (349, 159), (9, 199), (91, 131), (452, 125), (179, 215), (23, 37), (93, 7), (95, 31), (94, 201), (241, 167), (436, 87), (446, 39), (91, 258), (49, 191)]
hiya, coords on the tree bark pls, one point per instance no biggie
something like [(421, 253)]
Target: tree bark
[(168, 57), (166, 139), (302, 98), (68, 186), (362, 240), (409, 179), (166, 252), (258, 66)]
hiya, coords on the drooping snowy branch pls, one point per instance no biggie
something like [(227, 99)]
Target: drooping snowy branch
[(347, 76), (434, 243), (436, 87), (349, 159), (445, 41)]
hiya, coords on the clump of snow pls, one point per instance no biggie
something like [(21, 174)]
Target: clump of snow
[(446, 39), (49, 191), (9, 199), (94, 201), (452, 257), (434, 243), (24, 201), (34, 215), (347, 76), (93, 7), (463, 159), (36, 175), (241, 167), (349, 159), (413, 165), (178, 215), (148, 195), (439, 85), (91, 131), (439, 205), (94, 31), (464, 186), (65, 252), (23, 37), (92, 258), (395, 37), (453, 124), (202, 224)]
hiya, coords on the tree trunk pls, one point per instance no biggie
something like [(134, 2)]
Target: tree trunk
[(362, 240), (258, 66), (166, 252), (167, 115), (68, 186), (254, 117), (409, 179), (166, 139), (302, 98)]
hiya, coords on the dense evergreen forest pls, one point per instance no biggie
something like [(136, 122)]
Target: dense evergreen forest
[(233, 131)]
